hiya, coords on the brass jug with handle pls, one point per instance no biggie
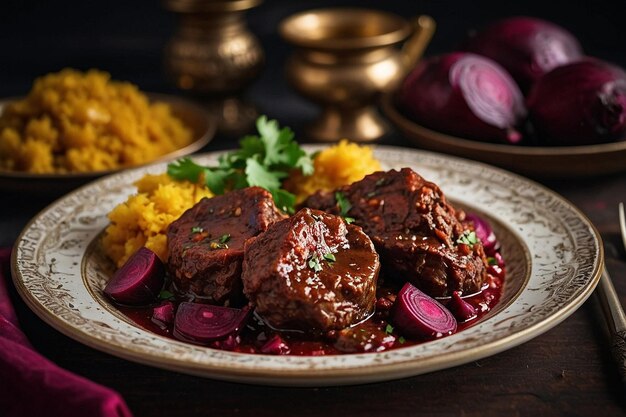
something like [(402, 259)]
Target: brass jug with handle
[(344, 59)]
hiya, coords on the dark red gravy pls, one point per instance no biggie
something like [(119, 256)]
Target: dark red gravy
[(376, 334)]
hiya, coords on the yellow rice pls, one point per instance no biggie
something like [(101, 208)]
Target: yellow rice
[(143, 219), (81, 122), (335, 166)]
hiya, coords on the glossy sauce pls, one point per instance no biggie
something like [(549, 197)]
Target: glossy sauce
[(375, 334)]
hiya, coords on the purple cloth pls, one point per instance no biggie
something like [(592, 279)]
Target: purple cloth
[(31, 385)]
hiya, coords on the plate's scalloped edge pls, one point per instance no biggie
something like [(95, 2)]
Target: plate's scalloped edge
[(577, 273)]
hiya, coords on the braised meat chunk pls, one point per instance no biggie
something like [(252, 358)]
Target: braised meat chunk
[(420, 237), (311, 272), (206, 243)]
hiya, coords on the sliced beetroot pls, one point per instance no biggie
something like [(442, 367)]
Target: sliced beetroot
[(204, 323), (275, 346), (163, 315), (461, 309), (139, 280), (418, 316)]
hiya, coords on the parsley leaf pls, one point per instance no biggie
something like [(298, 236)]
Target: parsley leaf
[(468, 238), (305, 163), (389, 329), (185, 169), (264, 160), (249, 147), (257, 174), (284, 200), (314, 263), (330, 257), (216, 179), (165, 295), (344, 206)]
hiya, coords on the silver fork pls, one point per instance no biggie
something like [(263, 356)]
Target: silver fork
[(612, 309)]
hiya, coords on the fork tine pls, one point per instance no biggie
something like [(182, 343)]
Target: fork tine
[(622, 223)]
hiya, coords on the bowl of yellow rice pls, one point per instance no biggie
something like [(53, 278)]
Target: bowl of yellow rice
[(75, 126)]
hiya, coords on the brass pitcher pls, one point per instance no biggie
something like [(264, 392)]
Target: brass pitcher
[(215, 56), (346, 57)]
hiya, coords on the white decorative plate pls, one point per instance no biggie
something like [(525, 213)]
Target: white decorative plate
[(553, 254)]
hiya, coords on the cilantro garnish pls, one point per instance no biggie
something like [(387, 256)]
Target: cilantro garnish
[(468, 238), (344, 206), (389, 329), (218, 245), (220, 242), (314, 263), (330, 257), (165, 295), (263, 160), (197, 229), (402, 340)]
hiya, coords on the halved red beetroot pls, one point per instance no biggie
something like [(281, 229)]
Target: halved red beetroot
[(419, 316), (205, 323), (139, 280), (461, 309)]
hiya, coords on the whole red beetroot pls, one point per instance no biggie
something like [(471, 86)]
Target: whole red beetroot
[(526, 47), (581, 103)]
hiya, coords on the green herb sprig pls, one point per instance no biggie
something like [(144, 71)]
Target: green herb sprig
[(468, 238), (344, 206), (263, 160), (315, 263)]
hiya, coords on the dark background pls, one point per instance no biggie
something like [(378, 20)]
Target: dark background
[(126, 38)]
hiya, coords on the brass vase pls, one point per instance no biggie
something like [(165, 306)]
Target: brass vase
[(214, 56), (344, 59)]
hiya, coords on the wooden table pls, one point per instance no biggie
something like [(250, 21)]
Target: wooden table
[(566, 371)]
